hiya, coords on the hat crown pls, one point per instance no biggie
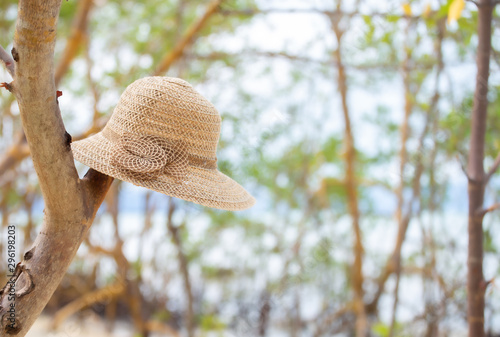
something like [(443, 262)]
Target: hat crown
[(168, 108), (163, 136)]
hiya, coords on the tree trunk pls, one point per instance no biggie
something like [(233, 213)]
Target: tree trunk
[(475, 279), (70, 203)]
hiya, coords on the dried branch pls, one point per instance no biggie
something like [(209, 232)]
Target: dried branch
[(187, 39), (75, 39), (100, 295), (8, 61)]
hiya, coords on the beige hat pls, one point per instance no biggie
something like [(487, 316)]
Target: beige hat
[(163, 135)]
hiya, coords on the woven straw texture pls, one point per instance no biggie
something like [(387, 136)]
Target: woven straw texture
[(163, 135)]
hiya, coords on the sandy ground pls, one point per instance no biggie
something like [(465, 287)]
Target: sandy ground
[(91, 326)]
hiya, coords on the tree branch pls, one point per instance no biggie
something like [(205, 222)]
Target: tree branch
[(20, 150), (14, 154), (8, 62), (187, 39), (75, 39), (103, 294), (464, 170), (493, 207), (45, 132), (334, 13), (393, 263), (70, 203), (492, 170), (351, 185)]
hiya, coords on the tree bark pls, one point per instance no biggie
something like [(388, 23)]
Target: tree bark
[(70, 203), (476, 284)]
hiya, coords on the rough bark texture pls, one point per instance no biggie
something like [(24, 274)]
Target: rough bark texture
[(475, 279), (70, 203)]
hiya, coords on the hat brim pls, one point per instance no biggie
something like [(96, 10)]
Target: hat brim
[(207, 187)]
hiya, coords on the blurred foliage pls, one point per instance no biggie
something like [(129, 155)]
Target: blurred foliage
[(285, 264)]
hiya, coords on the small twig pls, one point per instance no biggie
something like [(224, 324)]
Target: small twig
[(492, 170), (6, 85), (486, 283), (8, 61), (493, 207), (464, 170), (77, 36)]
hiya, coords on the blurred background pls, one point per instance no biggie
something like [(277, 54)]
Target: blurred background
[(347, 120)]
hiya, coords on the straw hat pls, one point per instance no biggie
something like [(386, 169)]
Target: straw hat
[(163, 135)]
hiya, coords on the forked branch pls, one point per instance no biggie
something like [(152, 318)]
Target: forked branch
[(70, 203)]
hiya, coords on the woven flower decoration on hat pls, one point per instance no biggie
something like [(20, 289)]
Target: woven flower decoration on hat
[(163, 135)]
